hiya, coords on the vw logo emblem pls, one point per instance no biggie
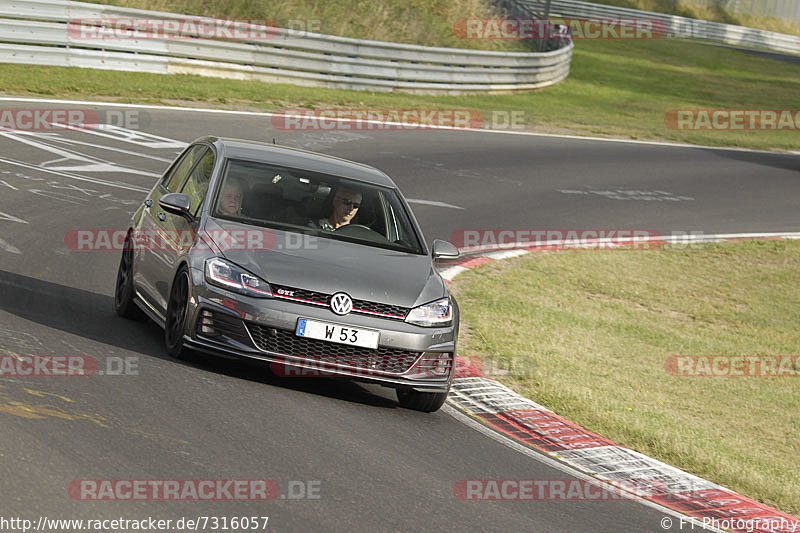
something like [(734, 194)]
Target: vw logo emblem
[(341, 304)]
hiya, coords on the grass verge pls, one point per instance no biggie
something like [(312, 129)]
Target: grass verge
[(587, 333), (714, 11), (616, 88), (425, 22)]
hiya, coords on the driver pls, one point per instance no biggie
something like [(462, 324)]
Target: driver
[(346, 203)]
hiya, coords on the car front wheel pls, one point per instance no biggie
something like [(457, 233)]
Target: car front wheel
[(177, 309), (427, 402), (123, 293)]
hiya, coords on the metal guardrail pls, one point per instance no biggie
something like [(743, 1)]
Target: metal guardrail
[(675, 26), (36, 32)]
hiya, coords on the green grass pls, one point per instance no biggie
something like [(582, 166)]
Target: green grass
[(420, 21), (426, 22), (715, 11), (616, 88), (587, 333)]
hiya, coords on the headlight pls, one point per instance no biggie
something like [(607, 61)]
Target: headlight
[(229, 276), (438, 313)]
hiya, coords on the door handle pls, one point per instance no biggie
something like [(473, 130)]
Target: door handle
[(162, 217)]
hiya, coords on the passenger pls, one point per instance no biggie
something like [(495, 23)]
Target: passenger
[(230, 199)]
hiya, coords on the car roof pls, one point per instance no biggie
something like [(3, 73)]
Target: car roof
[(287, 156)]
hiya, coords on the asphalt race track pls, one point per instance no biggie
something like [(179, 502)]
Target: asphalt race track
[(375, 466)]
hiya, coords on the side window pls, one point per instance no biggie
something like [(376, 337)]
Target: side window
[(197, 184), (393, 228), (371, 213), (400, 229), (174, 180)]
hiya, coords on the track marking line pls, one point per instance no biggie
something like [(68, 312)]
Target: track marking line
[(9, 247), (11, 218), (89, 163), (66, 140), (433, 203), (75, 176), (445, 128)]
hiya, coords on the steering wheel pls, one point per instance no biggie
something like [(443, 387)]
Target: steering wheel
[(360, 231)]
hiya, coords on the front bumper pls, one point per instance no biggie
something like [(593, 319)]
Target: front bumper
[(408, 356)]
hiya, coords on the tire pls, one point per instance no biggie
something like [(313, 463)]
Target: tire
[(175, 324), (123, 292), (427, 402)]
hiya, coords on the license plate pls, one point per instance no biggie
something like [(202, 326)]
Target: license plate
[(326, 331)]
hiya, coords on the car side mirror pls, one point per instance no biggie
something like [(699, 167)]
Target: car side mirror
[(444, 250), (177, 204)]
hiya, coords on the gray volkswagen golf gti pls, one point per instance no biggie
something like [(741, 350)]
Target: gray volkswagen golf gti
[(309, 262)]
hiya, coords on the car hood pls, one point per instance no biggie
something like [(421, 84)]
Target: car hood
[(329, 266)]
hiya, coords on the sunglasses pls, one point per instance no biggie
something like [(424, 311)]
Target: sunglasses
[(350, 203)]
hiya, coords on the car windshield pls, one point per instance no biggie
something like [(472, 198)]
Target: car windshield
[(304, 201)]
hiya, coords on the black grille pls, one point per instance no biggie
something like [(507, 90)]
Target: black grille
[(223, 324), (285, 342), (376, 307), (397, 312)]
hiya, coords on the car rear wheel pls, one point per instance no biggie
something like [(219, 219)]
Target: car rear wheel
[(177, 309), (427, 402), (124, 294)]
